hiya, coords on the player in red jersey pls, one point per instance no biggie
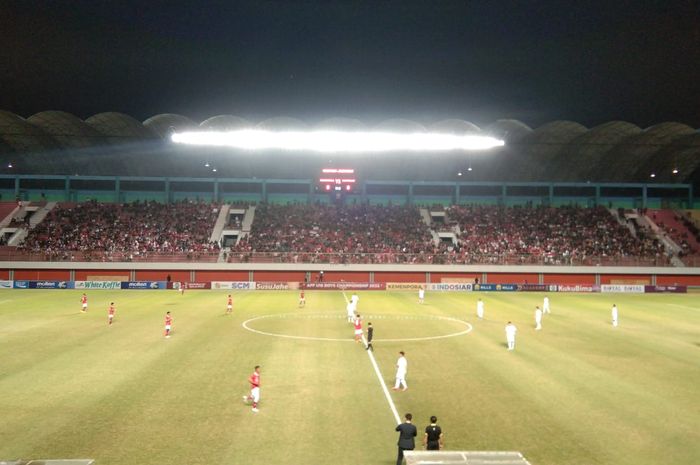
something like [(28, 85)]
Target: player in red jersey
[(357, 323), (302, 299), (83, 302), (254, 380), (183, 286), (168, 324), (110, 313), (229, 304)]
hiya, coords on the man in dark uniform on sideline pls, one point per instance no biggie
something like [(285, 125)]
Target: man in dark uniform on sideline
[(433, 435), (370, 334), (407, 433)]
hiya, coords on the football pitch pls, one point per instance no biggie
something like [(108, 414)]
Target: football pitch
[(577, 392)]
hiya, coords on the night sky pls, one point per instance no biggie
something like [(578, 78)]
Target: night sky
[(587, 61)]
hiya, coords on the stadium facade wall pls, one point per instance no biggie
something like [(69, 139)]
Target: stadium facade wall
[(269, 272), (561, 278)]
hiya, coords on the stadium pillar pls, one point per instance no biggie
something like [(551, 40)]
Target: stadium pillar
[(551, 194), (364, 193), (597, 195), (504, 194), (690, 196), (458, 193), (66, 187), (17, 187), (117, 190), (410, 193), (168, 198), (310, 199), (216, 190), (644, 196), (264, 190)]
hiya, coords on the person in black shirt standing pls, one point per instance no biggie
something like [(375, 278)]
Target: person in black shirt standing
[(370, 334), (433, 435), (407, 433)]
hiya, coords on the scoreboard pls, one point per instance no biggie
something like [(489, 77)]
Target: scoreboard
[(338, 180)]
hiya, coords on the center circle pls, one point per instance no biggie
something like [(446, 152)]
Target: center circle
[(319, 316)]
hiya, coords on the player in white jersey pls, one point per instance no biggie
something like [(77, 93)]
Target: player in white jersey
[(421, 295), (538, 318), (510, 335), (614, 315), (480, 309), (401, 370), (545, 305), (350, 309)]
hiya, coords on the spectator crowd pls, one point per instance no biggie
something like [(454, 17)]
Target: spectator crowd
[(134, 230)]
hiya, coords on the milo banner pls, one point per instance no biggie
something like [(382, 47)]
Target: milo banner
[(234, 285), (98, 285), (495, 287), (347, 286)]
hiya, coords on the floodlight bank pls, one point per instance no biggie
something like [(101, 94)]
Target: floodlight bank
[(338, 141)]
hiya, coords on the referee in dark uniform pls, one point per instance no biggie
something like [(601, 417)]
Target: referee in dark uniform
[(433, 435), (407, 433), (370, 335)]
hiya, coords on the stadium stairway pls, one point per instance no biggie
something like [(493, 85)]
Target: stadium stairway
[(247, 222), (676, 230), (7, 212), (221, 222)]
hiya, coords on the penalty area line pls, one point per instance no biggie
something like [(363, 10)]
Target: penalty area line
[(378, 372)]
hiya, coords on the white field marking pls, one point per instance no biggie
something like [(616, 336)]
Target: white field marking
[(319, 316), (370, 354)]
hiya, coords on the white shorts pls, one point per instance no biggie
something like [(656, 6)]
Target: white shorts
[(255, 394), (229, 307), (167, 327), (358, 332), (302, 300), (111, 316), (84, 305)]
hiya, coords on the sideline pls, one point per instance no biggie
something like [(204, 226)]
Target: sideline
[(370, 354)]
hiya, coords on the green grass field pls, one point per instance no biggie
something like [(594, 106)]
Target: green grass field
[(577, 392)]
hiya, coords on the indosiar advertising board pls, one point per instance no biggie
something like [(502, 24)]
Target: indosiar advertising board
[(451, 287)]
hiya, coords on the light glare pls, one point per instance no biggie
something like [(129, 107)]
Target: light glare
[(337, 141)]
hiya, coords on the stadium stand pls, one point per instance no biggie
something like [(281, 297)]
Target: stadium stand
[(148, 231)]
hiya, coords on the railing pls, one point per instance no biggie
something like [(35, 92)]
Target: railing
[(107, 257), (439, 259), (12, 254)]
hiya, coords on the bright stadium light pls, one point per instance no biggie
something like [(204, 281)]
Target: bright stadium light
[(338, 141)]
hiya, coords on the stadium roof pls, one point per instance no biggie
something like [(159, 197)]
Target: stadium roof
[(556, 151)]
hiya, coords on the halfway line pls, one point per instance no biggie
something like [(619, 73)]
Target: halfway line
[(370, 354)]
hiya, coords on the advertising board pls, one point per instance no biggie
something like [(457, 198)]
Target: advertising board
[(451, 287), (272, 286), (578, 288), (6, 284), (98, 285), (495, 287), (144, 285), (623, 288), (539, 287), (347, 286), (404, 286), (674, 289), (234, 285)]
